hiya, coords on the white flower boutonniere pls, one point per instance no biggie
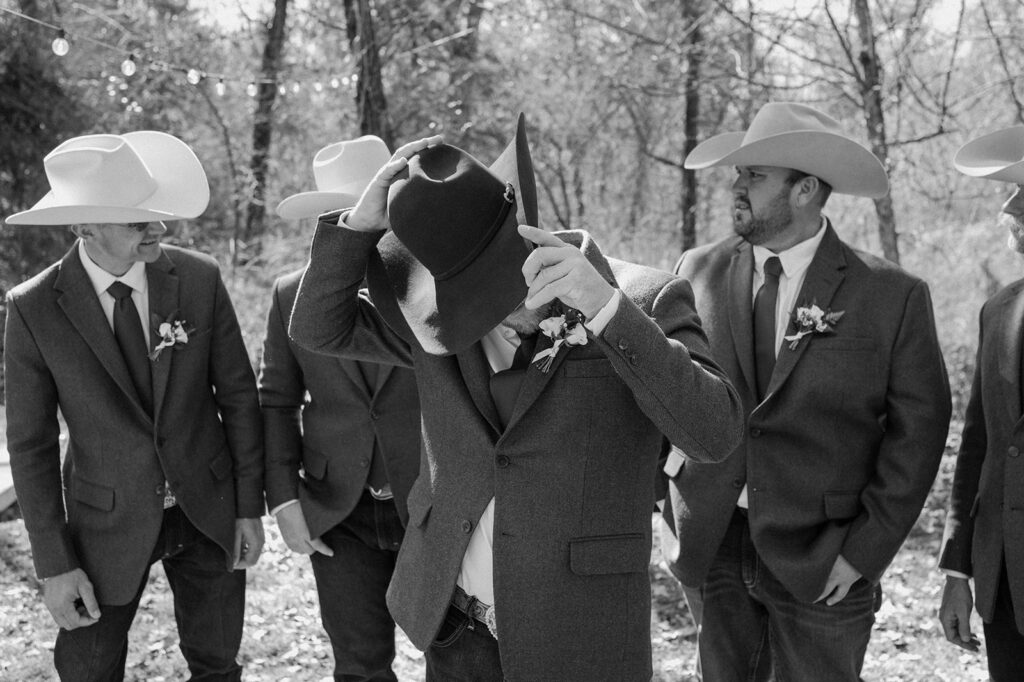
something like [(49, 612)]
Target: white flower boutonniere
[(812, 320), (567, 330), (173, 334)]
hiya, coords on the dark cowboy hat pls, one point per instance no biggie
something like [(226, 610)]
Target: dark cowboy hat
[(450, 269)]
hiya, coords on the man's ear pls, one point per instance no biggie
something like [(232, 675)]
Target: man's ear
[(82, 231), (806, 190)]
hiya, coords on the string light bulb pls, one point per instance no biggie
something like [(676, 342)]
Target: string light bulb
[(220, 88), (250, 89), (128, 67), (193, 76), (60, 44), (282, 90)]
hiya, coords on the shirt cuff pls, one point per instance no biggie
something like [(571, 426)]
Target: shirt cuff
[(600, 321), (955, 574), (273, 512)]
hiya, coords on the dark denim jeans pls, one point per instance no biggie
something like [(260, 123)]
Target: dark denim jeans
[(352, 586), (464, 651), (208, 606), (1003, 642), (751, 626)]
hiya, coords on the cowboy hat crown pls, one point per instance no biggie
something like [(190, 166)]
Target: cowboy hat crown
[(341, 170), (135, 177), (792, 135)]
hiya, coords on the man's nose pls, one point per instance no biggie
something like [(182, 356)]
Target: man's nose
[(156, 228)]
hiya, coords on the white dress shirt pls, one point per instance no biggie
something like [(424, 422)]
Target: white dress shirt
[(135, 278)]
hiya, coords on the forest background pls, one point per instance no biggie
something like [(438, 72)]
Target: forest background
[(615, 93)]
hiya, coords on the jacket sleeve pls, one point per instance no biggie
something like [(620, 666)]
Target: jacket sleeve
[(33, 440), (281, 388), (957, 538), (234, 383), (330, 314), (916, 422), (663, 356)]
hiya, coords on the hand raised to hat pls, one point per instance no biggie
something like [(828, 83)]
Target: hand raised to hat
[(371, 212), (558, 270)]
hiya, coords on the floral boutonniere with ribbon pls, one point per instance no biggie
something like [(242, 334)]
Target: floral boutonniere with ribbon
[(812, 320), (564, 330), (173, 333)]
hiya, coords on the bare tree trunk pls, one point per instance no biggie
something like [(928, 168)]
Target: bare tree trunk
[(694, 57), (464, 69), (370, 100), (871, 95), (262, 131)]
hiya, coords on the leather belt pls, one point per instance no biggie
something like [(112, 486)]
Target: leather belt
[(475, 609)]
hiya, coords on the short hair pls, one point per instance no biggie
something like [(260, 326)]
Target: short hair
[(796, 176)]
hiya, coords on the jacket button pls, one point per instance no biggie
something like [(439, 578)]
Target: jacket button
[(503, 461), (755, 432), (466, 526), (364, 462), (737, 483), (622, 344), (1012, 451), (160, 490), (374, 415)]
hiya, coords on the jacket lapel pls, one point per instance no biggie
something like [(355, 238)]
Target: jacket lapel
[(383, 372), (741, 310), (352, 371), (163, 304), (823, 279), (1009, 339), (79, 302), (476, 373)]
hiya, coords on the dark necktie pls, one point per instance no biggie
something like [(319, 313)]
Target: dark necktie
[(505, 384), (132, 340), (764, 324)]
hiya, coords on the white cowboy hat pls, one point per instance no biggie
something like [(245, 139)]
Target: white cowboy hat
[(137, 177), (342, 171), (790, 135), (995, 156)]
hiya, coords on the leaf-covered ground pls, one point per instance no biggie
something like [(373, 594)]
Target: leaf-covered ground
[(283, 641)]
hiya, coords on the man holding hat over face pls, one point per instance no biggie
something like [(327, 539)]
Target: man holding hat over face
[(137, 346), (342, 447), (529, 529), (835, 356), (984, 537)]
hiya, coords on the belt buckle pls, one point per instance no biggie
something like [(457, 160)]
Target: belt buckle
[(381, 494)]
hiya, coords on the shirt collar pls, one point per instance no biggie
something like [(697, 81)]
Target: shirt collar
[(796, 258), (101, 279)]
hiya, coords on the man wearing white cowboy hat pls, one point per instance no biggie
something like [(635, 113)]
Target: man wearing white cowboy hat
[(529, 530), (353, 430), (137, 346), (835, 355), (984, 537)]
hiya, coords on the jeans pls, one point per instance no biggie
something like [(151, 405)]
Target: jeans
[(209, 602), (751, 627), (1003, 642), (464, 651), (352, 586)]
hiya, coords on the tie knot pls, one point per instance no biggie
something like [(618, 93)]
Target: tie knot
[(119, 290), (773, 267)]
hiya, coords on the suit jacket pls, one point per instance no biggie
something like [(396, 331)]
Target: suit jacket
[(840, 454), (204, 437), (984, 527), (319, 415), (572, 474)]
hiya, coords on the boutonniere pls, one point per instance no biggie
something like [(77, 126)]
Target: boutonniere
[(565, 330), (172, 334), (812, 320)]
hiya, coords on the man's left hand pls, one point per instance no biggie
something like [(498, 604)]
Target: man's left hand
[(840, 580), (559, 270), (248, 542)]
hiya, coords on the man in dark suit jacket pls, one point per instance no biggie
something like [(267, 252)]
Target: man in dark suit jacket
[(342, 448), (836, 359), (984, 537), (164, 458), (529, 527)]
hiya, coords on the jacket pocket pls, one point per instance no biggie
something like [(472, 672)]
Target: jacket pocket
[(588, 368), (93, 494), (608, 554), (221, 466), (842, 505), (856, 343), (314, 463)]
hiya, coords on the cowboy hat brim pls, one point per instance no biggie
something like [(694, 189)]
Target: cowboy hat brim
[(995, 156), (844, 164), (182, 191), (310, 204), (448, 316)]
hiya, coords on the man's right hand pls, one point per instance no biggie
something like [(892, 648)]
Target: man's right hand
[(371, 213), (955, 613), (296, 533), (70, 599)]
